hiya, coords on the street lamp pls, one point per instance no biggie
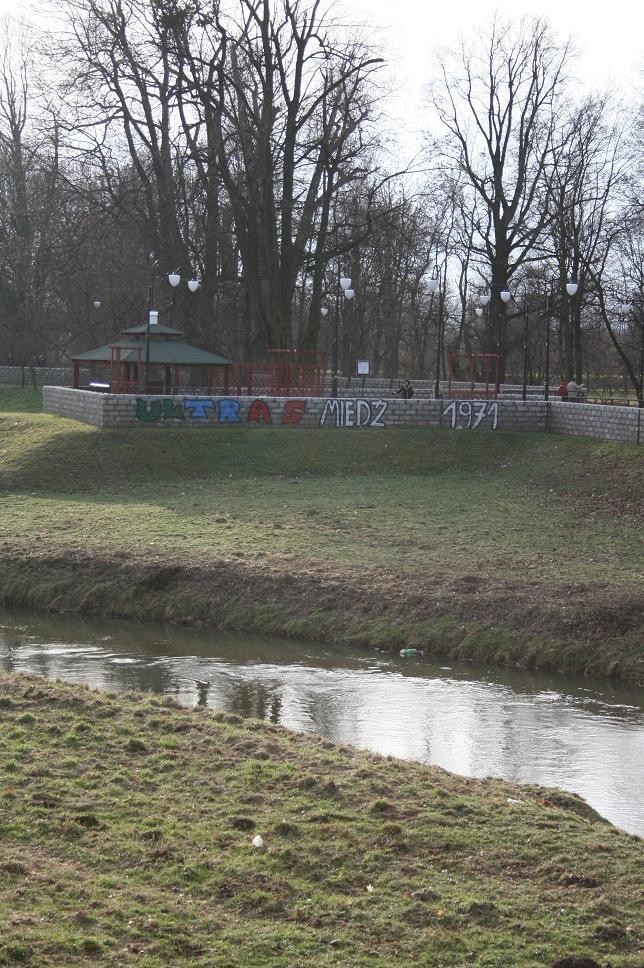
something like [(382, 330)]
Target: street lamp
[(506, 296), (174, 278), (626, 308), (640, 398), (151, 319), (433, 284), (481, 310), (571, 290), (525, 347), (348, 293)]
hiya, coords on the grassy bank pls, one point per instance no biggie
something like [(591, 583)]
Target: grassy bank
[(126, 829), (515, 548)]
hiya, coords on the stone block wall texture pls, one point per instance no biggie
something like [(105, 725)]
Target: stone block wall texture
[(124, 410), (625, 424), (75, 404), (49, 375)]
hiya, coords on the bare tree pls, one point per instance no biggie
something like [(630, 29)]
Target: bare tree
[(284, 109), (119, 57), (498, 104), (585, 178)]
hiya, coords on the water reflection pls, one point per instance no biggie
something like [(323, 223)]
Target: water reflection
[(578, 736)]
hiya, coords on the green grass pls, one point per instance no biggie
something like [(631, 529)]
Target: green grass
[(522, 548), (126, 829), (20, 400)]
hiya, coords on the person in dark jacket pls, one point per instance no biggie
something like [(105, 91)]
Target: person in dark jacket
[(406, 390)]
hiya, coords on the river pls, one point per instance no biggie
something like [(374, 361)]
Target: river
[(571, 733)]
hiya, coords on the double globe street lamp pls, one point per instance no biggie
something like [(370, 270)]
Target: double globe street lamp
[(174, 278), (482, 310), (348, 294), (571, 290), (626, 309), (484, 300), (506, 296), (434, 285)]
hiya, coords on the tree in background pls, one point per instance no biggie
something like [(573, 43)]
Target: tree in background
[(238, 141), (498, 101)]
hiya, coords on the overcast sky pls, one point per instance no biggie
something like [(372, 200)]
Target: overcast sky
[(609, 37)]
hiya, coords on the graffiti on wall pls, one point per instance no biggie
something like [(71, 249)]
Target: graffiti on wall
[(224, 411), (353, 413), (468, 415), (229, 410)]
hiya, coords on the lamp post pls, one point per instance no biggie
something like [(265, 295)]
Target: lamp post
[(174, 279), (506, 296), (627, 308), (525, 348), (484, 300), (571, 290), (348, 293), (149, 320), (482, 310), (433, 284), (640, 397), (548, 316)]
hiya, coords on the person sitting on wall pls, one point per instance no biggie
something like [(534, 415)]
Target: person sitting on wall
[(406, 390), (563, 390), (573, 391)]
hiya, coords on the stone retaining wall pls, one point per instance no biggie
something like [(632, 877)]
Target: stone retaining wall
[(50, 375), (625, 424), (80, 405), (123, 410)]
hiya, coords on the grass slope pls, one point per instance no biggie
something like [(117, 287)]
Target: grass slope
[(20, 400), (125, 838), (516, 548)]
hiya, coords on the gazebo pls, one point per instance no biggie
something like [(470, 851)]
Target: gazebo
[(152, 359)]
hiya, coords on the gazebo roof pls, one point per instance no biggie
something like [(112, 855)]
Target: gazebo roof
[(166, 346), (156, 330)]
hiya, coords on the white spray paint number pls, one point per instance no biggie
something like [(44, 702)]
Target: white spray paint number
[(466, 415)]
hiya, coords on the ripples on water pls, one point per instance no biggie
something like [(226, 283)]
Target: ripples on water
[(579, 736)]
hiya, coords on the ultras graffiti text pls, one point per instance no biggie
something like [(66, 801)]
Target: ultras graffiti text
[(224, 411)]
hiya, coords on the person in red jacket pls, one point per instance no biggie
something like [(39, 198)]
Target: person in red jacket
[(563, 390)]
